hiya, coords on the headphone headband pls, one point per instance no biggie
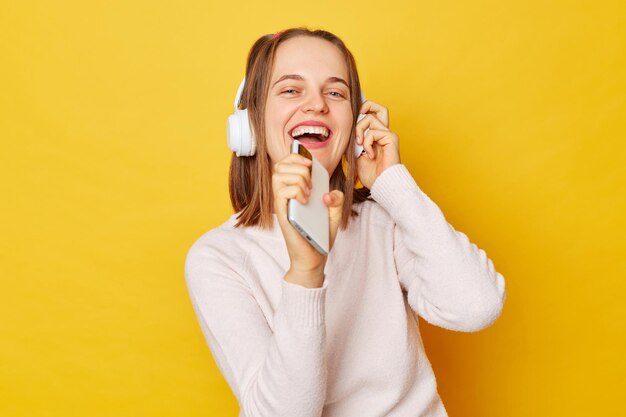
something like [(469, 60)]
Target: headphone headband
[(239, 91)]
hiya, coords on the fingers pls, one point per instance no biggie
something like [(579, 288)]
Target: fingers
[(288, 186), (294, 180), (378, 110), (291, 159), (293, 192), (334, 201), (366, 123), (380, 137), (290, 170), (291, 179)]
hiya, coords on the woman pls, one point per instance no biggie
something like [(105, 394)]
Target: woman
[(297, 334)]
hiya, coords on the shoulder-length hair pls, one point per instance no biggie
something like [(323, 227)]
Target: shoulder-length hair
[(250, 178)]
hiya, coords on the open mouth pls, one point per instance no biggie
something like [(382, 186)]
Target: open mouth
[(311, 134)]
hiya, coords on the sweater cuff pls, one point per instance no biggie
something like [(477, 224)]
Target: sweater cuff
[(393, 186), (304, 306)]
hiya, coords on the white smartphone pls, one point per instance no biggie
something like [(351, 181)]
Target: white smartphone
[(311, 219)]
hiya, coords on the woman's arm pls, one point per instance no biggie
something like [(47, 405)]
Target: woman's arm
[(450, 282), (279, 373)]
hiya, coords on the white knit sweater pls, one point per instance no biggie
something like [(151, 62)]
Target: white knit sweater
[(351, 348)]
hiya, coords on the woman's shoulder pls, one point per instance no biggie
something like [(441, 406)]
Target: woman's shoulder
[(223, 244), (230, 244)]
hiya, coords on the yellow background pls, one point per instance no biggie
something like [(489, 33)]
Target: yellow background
[(511, 117)]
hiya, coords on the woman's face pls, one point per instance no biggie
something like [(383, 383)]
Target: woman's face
[(309, 87)]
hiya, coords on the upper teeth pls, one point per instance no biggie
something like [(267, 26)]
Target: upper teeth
[(301, 130)]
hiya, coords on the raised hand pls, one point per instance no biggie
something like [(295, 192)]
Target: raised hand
[(381, 144), (292, 179)]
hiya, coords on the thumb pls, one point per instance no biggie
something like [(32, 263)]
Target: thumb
[(334, 202)]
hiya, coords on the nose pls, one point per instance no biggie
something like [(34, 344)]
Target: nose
[(314, 101)]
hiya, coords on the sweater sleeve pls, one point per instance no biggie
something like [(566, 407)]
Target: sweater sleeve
[(450, 282), (279, 373)]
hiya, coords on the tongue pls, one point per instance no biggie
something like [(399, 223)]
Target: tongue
[(311, 138)]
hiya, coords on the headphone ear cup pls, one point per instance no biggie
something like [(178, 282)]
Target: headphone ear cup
[(240, 137)]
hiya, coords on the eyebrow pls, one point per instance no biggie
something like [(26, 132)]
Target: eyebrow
[(300, 78)]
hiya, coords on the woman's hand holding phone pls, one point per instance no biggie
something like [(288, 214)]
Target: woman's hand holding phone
[(381, 144), (292, 179)]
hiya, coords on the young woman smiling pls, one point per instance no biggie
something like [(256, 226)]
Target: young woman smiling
[(297, 334)]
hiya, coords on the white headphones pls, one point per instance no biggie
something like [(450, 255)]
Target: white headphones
[(240, 137)]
